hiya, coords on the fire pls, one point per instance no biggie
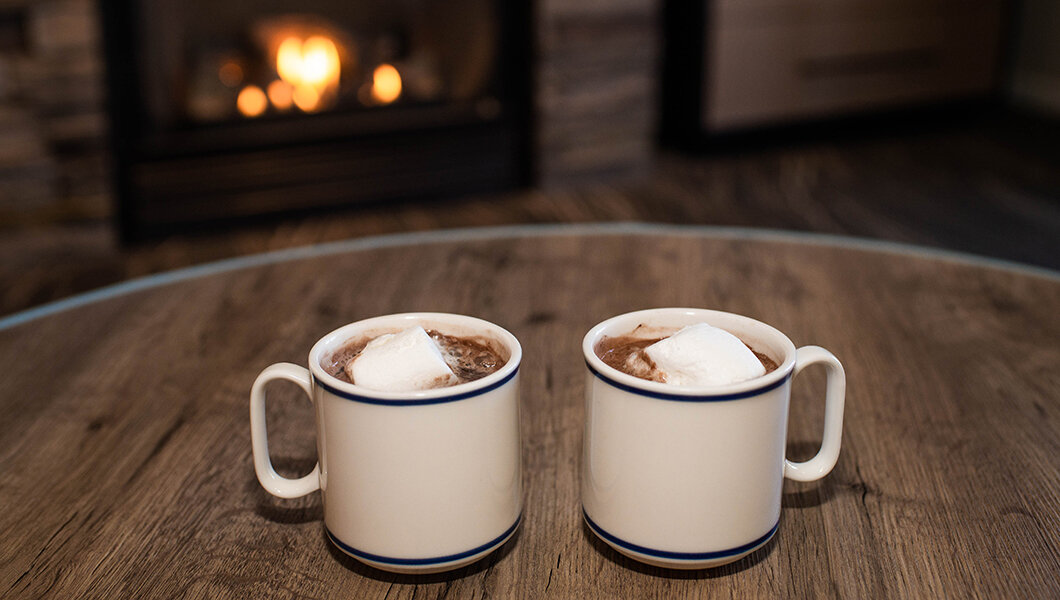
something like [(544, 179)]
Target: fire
[(386, 84), (320, 62), (230, 73), (289, 60), (306, 98), (281, 94), (311, 67), (251, 101)]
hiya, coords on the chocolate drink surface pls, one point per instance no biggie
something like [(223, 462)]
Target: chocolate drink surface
[(470, 358), (626, 354)]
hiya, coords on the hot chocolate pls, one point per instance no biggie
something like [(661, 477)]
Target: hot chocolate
[(469, 358), (629, 355)]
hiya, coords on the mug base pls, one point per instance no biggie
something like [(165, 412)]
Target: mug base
[(678, 560), (424, 566)]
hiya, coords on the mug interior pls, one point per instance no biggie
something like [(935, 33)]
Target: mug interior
[(660, 322), (449, 324)]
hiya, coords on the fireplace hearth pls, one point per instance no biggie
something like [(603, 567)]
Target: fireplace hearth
[(226, 111)]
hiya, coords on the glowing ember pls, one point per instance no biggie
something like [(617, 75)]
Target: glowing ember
[(251, 101), (310, 69), (231, 74), (281, 94), (306, 98), (320, 62), (289, 60), (386, 84)]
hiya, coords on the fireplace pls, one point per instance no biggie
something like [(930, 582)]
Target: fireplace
[(227, 111)]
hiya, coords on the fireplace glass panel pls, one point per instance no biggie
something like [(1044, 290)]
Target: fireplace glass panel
[(207, 61), (225, 110)]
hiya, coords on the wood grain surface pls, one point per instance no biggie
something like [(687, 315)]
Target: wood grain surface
[(988, 187), (125, 461)]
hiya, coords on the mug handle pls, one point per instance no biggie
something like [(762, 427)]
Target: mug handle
[(835, 395), (273, 482)]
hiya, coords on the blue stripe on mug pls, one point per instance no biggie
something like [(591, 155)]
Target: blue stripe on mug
[(423, 562), (416, 401), (679, 555), (688, 398)]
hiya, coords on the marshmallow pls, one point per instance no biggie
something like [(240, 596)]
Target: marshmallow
[(703, 355), (401, 362)]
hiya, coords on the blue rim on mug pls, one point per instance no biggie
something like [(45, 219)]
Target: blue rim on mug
[(424, 562), (416, 401), (669, 555), (689, 398)]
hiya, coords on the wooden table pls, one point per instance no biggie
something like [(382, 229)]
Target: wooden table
[(125, 466)]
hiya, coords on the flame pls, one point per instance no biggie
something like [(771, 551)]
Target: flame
[(289, 60), (281, 94), (320, 61), (386, 84), (307, 98), (251, 101), (230, 73), (311, 68)]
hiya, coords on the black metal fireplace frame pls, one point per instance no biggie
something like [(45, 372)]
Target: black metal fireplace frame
[(176, 181)]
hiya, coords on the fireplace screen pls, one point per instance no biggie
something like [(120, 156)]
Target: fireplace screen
[(208, 61), (226, 110)]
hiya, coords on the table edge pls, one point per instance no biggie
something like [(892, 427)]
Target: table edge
[(516, 231)]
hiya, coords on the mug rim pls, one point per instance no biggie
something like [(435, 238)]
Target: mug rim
[(453, 393), (663, 391)]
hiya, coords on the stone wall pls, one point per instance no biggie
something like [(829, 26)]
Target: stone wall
[(52, 120)]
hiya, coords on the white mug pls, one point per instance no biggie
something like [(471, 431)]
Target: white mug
[(687, 477), (416, 482)]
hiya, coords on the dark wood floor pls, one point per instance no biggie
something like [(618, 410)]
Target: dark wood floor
[(988, 186)]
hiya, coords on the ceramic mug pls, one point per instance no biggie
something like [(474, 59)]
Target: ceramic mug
[(415, 482), (687, 477)]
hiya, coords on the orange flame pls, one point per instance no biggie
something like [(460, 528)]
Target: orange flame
[(386, 84), (306, 98), (251, 101), (230, 73), (281, 94), (311, 67)]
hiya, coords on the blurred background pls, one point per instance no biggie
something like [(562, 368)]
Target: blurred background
[(138, 136)]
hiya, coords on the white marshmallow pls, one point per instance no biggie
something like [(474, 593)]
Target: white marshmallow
[(701, 355), (401, 362)]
